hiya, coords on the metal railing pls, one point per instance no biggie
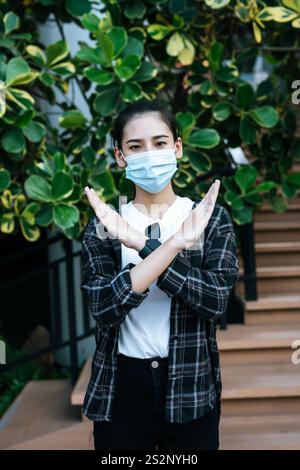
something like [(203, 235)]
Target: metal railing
[(53, 270)]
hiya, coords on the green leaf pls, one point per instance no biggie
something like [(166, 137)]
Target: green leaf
[(29, 232), (62, 185), (126, 68), (245, 177), (38, 188), (5, 179), (72, 119), (134, 9), (131, 91), (228, 73), (200, 161), (17, 68), (292, 4), (13, 140), (102, 77), (35, 131), (119, 39), (37, 55), (146, 72), (216, 4), (204, 138), (245, 95), (11, 21), (78, 8), (243, 216), (265, 186), (107, 101), (94, 55), (234, 200), (278, 14), (215, 55), (175, 44), (90, 22), (56, 52), (221, 111), (265, 116), (294, 178), (44, 216), (186, 122), (65, 215), (64, 68), (247, 130), (158, 31)]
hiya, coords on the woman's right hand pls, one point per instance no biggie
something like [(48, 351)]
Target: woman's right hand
[(196, 222), (116, 225)]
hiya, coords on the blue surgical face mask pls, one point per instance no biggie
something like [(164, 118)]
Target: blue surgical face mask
[(151, 170)]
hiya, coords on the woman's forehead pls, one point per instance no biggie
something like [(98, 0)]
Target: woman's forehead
[(146, 125)]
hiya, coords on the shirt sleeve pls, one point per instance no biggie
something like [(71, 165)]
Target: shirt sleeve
[(207, 288), (109, 294)]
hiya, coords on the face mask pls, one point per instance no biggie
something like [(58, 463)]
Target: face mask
[(151, 170)]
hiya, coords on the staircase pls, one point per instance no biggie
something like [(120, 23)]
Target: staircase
[(261, 385)]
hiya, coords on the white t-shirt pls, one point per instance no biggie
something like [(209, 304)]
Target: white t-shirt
[(145, 331)]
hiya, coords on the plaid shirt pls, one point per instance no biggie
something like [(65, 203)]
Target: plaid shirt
[(199, 282)]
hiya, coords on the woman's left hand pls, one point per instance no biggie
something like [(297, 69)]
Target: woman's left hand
[(116, 225)]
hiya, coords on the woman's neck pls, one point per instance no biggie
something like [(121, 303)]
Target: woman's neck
[(154, 205)]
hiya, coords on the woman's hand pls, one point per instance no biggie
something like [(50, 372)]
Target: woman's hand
[(116, 225), (196, 222)]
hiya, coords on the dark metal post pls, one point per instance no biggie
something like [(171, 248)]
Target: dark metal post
[(248, 251), (71, 310)]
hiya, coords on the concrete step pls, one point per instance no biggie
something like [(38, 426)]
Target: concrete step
[(257, 344), (260, 432), (271, 232), (42, 407), (261, 389), (279, 279), (78, 436), (276, 254), (267, 214), (273, 309)]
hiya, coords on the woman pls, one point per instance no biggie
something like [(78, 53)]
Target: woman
[(155, 293)]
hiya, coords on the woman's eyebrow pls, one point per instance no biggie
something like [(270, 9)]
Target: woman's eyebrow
[(141, 140)]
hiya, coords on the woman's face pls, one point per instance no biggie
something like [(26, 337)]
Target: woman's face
[(146, 131)]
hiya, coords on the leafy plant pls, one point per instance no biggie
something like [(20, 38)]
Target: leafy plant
[(191, 55)]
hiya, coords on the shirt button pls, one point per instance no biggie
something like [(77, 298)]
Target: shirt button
[(154, 364)]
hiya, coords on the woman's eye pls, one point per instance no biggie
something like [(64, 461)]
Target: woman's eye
[(134, 147)]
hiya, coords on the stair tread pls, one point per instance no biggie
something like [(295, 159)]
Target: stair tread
[(258, 432), (275, 271), (81, 384), (276, 225), (237, 337), (277, 247), (273, 302), (77, 436), (260, 381), (42, 406)]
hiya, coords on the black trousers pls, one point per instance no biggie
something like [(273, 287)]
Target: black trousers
[(138, 413)]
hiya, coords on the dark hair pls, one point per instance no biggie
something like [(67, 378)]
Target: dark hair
[(138, 107)]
